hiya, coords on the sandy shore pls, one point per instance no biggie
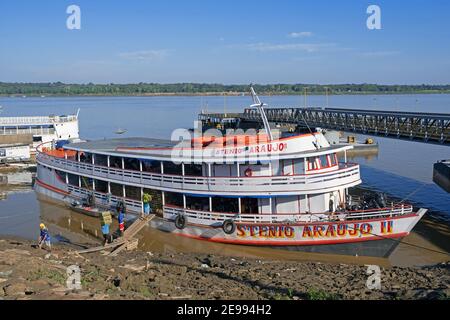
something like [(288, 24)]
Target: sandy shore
[(30, 273)]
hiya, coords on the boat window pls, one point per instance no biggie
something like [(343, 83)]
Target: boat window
[(131, 164), (101, 186), (115, 162), (249, 205), (116, 189), (73, 180), (220, 204), (133, 193), (197, 203), (312, 163), (299, 166), (174, 199), (85, 157), (151, 166), (61, 175), (277, 168), (323, 161), (87, 183), (333, 160), (172, 168), (100, 160), (193, 170)]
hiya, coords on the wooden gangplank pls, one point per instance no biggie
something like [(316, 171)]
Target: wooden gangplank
[(121, 243)]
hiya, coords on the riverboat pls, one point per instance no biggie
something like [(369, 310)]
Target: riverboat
[(287, 192)]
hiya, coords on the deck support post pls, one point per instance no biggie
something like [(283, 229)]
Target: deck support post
[(210, 204), (142, 195), (270, 205), (239, 205)]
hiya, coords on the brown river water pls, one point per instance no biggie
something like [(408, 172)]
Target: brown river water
[(26, 211)]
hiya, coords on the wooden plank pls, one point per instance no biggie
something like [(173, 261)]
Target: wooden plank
[(122, 243), (100, 248)]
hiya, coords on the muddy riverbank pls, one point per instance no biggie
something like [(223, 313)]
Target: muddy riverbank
[(30, 273)]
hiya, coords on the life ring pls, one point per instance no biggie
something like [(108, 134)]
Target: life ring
[(180, 221), (228, 226), (248, 172)]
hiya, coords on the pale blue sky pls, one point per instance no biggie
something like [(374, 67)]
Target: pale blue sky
[(225, 41)]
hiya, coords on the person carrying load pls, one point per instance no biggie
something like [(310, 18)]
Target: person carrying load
[(146, 199), (106, 222)]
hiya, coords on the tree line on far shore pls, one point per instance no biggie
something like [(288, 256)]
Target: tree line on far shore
[(59, 89)]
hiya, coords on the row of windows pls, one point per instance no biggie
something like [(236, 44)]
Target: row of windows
[(322, 162), (283, 167), (219, 204)]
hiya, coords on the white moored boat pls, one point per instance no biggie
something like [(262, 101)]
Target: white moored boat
[(243, 189)]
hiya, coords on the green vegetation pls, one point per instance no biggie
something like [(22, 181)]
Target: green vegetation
[(52, 275), (62, 89), (314, 294)]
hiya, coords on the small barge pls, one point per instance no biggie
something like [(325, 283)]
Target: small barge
[(258, 189)]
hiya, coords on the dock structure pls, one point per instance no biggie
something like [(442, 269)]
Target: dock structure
[(441, 174), (127, 241), (416, 126)]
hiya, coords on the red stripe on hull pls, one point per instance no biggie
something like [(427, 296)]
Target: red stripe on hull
[(293, 243), (51, 188)]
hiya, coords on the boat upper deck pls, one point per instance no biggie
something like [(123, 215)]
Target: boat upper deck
[(210, 150), (36, 120)]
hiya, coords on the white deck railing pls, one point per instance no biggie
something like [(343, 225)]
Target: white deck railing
[(101, 199), (217, 218), (346, 176), (38, 120)]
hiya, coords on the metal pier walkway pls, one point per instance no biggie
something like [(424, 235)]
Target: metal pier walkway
[(417, 126)]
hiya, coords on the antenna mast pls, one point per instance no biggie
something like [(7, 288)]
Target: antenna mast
[(259, 105)]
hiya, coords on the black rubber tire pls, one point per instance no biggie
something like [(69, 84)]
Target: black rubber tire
[(180, 222), (228, 226)]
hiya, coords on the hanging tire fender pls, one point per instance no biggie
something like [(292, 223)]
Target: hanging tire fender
[(180, 221), (228, 226)]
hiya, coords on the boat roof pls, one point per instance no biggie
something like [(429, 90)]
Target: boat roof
[(148, 148), (112, 145)]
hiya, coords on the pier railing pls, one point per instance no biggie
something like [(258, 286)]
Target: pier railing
[(418, 126), (347, 175)]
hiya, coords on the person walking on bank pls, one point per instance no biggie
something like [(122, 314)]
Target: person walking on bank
[(106, 222), (121, 220), (44, 237), (105, 232)]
